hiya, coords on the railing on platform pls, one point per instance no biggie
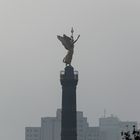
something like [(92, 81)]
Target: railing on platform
[(62, 75)]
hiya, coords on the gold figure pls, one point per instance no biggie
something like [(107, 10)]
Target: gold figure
[(68, 43)]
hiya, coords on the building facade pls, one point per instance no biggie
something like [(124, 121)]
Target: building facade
[(32, 133), (111, 127), (51, 129), (93, 133)]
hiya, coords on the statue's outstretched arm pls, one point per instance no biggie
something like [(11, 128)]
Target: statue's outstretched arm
[(76, 39)]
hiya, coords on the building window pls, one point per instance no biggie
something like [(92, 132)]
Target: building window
[(35, 135)]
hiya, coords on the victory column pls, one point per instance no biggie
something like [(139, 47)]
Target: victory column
[(69, 80)]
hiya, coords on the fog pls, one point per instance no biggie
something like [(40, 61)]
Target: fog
[(106, 56)]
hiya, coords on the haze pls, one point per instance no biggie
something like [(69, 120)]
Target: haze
[(106, 56)]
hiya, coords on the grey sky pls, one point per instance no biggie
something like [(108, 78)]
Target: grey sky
[(106, 56)]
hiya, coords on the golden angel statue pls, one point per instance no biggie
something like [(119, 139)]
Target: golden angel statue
[(68, 43)]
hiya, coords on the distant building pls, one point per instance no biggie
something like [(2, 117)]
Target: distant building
[(111, 127), (82, 126), (51, 128), (32, 133), (93, 133)]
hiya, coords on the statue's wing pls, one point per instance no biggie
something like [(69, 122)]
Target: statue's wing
[(63, 41), (67, 37), (69, 41)]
